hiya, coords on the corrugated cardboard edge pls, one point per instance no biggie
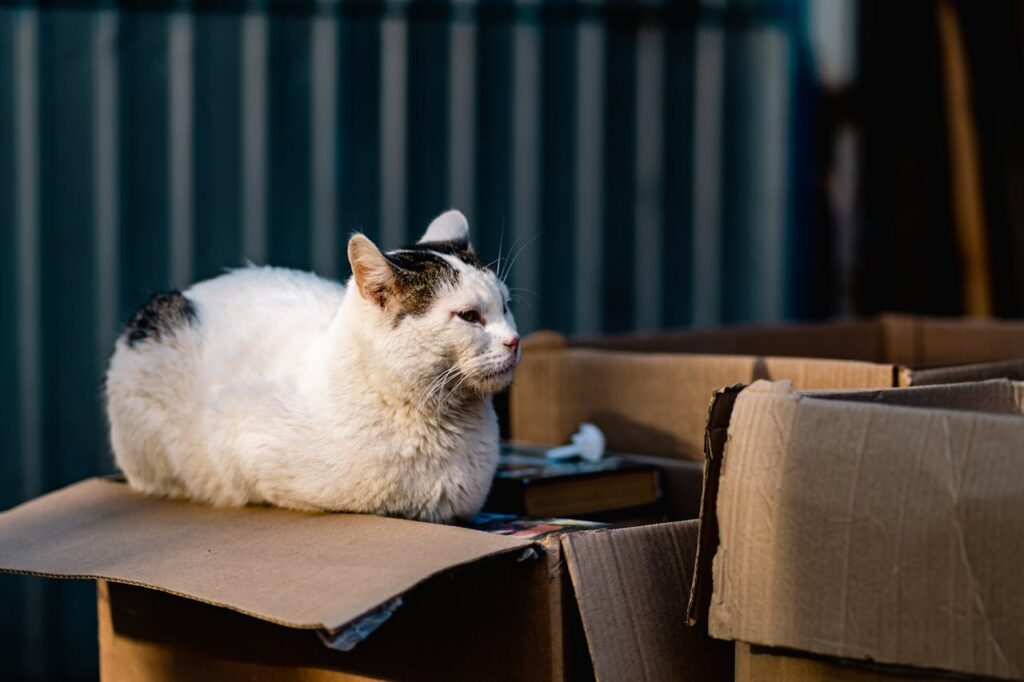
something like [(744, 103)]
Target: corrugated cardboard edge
[(719, 411)]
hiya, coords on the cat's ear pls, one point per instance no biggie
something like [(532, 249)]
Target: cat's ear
[(450, 226), (374, 275)]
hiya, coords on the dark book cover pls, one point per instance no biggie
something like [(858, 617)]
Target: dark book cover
[(528, 484)]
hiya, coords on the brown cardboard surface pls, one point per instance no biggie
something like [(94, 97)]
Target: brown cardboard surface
[(996, 396), (300, 570), (757, 664), (849, 340), (960, 341), (647, 391), (631, 586), (872, 531), (894, 339), (491, 620), (652, 403), (1005, 369), (900, 338)]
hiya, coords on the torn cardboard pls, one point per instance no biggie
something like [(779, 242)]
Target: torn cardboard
[(649, 393), (862, 526)]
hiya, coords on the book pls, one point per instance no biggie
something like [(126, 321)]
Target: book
[(528, 484)]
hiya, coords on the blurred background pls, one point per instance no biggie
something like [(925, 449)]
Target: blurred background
[(646, 165)]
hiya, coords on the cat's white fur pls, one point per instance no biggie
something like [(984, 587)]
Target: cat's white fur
[(297, 391)]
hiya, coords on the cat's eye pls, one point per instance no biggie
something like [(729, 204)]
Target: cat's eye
[(504, 308), (471, 316)]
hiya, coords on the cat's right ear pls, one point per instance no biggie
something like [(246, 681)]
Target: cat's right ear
[(374, 275)]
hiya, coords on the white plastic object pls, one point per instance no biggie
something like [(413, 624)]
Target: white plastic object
[(588, 443)]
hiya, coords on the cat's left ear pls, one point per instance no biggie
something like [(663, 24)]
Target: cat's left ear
[(371, 270), (450, 226)]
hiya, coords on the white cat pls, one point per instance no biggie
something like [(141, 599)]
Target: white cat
[(268, 385)]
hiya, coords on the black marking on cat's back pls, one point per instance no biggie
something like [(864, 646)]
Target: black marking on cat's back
[(163, 314)]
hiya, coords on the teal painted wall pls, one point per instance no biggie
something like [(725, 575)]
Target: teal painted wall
[(624, 153)]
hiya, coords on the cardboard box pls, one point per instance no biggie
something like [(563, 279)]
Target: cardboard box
[(649, 393), (191, 592), (883, 526), (912, 341)]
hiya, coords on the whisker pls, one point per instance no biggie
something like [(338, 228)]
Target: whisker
[(435, 387), (521, 300), (517, 254), (501, 241)]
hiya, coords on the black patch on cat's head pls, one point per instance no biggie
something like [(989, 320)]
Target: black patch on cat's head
[(460, 249), (420, 272), (164, 313)]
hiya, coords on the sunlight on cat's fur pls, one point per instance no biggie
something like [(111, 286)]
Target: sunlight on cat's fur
[(268, 385)]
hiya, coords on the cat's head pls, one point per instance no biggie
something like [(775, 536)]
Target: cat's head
[(440, 313)]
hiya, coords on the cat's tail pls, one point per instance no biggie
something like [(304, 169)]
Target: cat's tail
[(149, 388), (163, 315)]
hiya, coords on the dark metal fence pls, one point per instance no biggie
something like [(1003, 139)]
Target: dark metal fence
[(635, 158)]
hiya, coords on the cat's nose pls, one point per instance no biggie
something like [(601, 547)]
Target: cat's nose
[(513, 344)]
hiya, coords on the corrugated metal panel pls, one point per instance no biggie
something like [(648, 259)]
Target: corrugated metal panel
[(615, 156)]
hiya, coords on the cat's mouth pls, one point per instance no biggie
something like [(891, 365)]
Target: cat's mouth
[(501, 371), (496, 379)]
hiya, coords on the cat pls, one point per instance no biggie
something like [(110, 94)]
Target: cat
[(273, 386)]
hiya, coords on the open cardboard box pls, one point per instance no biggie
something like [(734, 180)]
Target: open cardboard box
[(649, 392), (188, 592), (191, 592), (875, 526)]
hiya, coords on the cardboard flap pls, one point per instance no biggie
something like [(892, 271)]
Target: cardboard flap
[(872, 531), (631, 586), (1006, 369), (299, 570), (998, 396)]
